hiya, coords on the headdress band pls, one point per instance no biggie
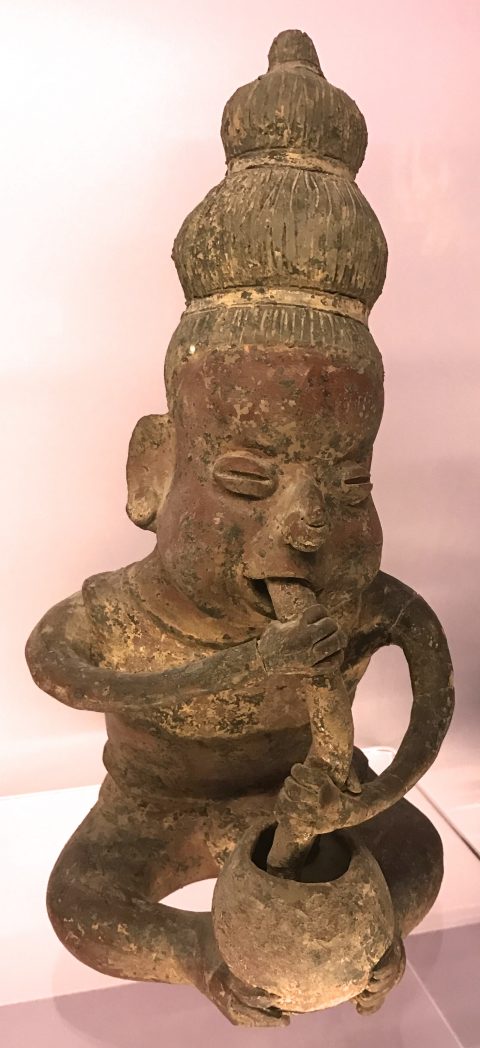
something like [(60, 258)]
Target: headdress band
[(290, 158), (282, 296)]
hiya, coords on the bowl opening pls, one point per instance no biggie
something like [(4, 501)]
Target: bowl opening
[(327, 859)]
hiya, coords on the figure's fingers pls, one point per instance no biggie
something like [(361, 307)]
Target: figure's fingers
[(296, 795), (256, 997), (313, 614), (368, 1003), (314, 783), (316, 766), (322, 628), (253, 996), (381, 979), (330, 646), (242, 1006), (298, 808), (304, 813), (392, 964), (243, 1014), (306, 775)]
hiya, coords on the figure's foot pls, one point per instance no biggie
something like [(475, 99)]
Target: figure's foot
[(240, 1004), (385, 975)]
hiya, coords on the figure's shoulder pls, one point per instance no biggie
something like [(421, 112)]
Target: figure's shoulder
[(108, 587), (383, 601), (111, 611), (126, 635), (387, 587), (108, 598)]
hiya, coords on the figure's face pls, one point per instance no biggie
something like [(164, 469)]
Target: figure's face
[(272, 479)]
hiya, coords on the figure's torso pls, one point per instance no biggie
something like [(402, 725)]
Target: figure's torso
[(247, 740)]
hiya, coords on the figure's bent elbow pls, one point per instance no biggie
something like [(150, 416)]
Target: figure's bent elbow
[(53, 661)]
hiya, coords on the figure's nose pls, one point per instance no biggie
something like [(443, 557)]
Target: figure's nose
[(305, 525)]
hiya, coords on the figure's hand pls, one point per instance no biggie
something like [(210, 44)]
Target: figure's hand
[(385, 975), (242, 1005), (302, 644), (309, 802)]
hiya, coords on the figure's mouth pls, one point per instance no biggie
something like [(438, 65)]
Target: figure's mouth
[(262, 597), (261, 591)]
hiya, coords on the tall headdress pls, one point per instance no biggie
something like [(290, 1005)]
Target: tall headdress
[(286, 249)]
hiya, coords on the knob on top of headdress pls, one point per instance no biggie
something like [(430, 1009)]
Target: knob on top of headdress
[(293, 46), (293, 107)]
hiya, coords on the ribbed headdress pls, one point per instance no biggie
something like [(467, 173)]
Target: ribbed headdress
[(285, 249)]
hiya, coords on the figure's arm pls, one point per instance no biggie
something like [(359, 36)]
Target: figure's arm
[(395, 615), (417, 631), (58, 656)]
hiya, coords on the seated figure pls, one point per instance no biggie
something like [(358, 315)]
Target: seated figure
[(258, 474)]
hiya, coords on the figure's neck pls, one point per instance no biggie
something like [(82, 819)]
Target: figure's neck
[(162, 600)]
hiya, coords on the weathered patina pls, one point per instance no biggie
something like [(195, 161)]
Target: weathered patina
[(226, 662)]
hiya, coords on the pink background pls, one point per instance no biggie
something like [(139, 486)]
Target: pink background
[(110, 135)]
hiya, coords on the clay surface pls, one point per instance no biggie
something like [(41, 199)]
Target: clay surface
[(226, 662)]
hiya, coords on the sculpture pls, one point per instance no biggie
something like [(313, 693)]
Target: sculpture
[(226, 661)]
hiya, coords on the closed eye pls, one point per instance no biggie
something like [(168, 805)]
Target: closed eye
[(357, 480), (357, 488), (244, 475)]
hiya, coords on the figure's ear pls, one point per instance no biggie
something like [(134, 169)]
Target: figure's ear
[(149, 468)]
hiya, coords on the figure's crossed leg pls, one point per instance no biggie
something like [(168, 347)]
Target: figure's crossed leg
[(103, 892), (103, 889)]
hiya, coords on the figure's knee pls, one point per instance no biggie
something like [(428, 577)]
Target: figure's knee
[(409, 851), (78, 895), (427, 866), (103, 891)]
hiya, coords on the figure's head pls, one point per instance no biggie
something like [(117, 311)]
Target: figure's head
[(267, 475), (274, 411)]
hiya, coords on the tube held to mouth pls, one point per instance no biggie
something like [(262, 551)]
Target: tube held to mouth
[(290, 597), (331, 723)]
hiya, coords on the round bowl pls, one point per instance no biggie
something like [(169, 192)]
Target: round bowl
[(311, 942)]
